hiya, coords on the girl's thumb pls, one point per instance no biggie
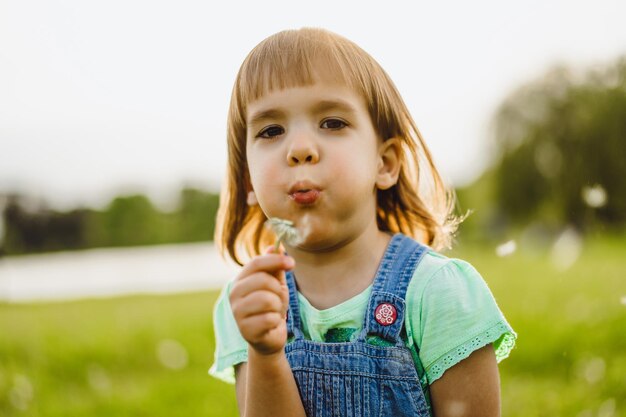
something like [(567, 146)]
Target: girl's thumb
[(270, 249), (288, 262)]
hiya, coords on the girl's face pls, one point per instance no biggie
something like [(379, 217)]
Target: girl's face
[(313, 158)]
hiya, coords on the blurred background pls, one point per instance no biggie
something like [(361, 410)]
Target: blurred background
[(112, 152)]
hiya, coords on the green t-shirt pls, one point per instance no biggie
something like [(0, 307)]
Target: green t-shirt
[(450, 313)]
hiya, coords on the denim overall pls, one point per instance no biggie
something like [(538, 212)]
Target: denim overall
[(359, 378)]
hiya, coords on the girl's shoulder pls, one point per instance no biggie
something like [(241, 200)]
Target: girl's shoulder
[(441, 284), (437, 272)]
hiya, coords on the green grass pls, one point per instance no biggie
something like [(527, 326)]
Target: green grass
[(99, 357)]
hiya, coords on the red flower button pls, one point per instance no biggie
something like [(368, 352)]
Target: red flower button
[(386, 314)]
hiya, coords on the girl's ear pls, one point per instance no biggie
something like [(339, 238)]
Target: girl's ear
[(252, 201), (388, 163)]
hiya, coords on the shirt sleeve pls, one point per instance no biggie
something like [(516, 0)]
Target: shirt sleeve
[(230, 347), (457, 314)]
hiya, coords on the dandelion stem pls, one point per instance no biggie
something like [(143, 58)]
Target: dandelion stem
[(279, 238)]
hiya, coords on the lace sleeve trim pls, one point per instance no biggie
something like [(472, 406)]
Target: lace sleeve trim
[(501, 335)]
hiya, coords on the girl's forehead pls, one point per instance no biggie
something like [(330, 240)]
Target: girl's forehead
[(319, 94)]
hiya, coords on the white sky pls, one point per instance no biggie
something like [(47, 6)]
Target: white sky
[(99, 98)]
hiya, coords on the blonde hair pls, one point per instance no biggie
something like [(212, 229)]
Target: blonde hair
[(419, 205)]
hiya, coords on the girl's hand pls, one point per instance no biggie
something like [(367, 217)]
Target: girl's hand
[(259, 299)]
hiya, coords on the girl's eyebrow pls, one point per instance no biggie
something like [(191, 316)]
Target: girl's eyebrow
[(319, 107), (326, 105), (265, 114)]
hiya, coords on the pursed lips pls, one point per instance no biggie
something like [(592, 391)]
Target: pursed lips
[(304, 192)]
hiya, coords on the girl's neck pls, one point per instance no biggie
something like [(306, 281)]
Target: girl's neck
[(329, 278)]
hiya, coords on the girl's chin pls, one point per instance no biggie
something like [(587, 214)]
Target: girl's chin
[(315, 243)]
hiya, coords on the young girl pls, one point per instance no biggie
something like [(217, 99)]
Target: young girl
[(362, 317)]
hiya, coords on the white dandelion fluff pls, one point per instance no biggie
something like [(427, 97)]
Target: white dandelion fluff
[(566, 249), (98, 379), (172, 354), (506, 249), (607, 408), (594, 196), (21, 394), (285, 231)]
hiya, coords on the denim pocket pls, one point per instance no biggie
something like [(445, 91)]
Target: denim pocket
[(400, 398)]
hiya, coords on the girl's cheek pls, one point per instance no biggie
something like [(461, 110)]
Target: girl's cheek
[(267, 171), (264, 177), (258, 165)]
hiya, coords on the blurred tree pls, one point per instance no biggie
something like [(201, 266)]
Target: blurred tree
[(131, 220), (42, 230), (561, 143), (18, 228), (196, 214)]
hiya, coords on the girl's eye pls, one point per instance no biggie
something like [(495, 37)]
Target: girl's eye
[(333, 124), (271, 132)]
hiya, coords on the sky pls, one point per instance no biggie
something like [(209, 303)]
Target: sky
[(99, 98)]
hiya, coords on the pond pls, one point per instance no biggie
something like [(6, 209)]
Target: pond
[(113, 271)]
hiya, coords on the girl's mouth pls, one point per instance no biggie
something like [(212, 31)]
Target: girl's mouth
[(305, 197)]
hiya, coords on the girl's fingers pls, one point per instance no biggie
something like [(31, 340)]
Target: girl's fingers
[(264, 322), (258, 327), (259, 302), (256, 282), (270, 263)]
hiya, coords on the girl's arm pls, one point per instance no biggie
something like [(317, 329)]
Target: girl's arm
[(259, 298), (469, 388), (267, 388)]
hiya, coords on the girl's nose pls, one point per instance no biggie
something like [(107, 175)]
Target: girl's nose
[(301, 151)]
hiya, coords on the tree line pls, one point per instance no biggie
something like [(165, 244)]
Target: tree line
[(131, 220)]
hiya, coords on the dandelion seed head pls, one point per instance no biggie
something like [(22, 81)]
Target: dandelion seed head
[(594, 196), (172, 354), (21, 393), (506, 248), (593, 370), (98, 379), (607, 408), (284, 230), (566, 249)]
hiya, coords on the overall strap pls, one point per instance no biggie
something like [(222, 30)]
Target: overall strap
[(293, 314), (386, 309)]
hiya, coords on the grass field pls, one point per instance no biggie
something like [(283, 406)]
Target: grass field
[(149, 355)]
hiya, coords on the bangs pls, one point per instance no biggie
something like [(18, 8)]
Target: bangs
[(299, 58)]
